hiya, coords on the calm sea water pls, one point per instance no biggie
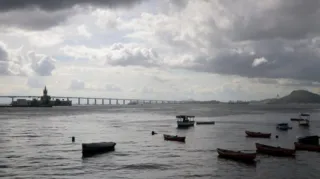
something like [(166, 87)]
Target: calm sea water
[(36, 143)]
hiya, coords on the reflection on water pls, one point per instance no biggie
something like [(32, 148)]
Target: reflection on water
[(37, 144)]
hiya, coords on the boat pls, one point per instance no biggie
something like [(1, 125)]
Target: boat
[(258, 134), (309, 143), (308, 147), (204, 122), (304, 123), (174, 138), (276, 151), (90, 149), (185, 121), (283, 126), (300, 117), (236, 155)]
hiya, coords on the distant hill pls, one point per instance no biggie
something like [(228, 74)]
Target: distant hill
[(297, 96)]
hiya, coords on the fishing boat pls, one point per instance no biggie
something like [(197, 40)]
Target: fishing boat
[(185, 121), (276, 151), (309, 143), (258, 134), (308, 147), (283, 126), (174, 138), (236, 155), (204, 122), (90, 149), (301, 117)]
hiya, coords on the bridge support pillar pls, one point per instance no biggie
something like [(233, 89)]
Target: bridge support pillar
[(78, 101), (124, 102), (109, 101), (102, 101), (117, 102), (87, 101), (95, 101)]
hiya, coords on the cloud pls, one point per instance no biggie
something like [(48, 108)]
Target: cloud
[(35, 83), (117, 54), (45, 14), (14, 62), (77, 85), (82, 30), (259, 61), (113, 88)]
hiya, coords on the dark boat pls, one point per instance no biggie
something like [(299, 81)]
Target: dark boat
[(236, 155), (90, 149), (185, 121), (300, 117), (283, 126), (308, 147), (309, 143), (258, 134), (174, 138), (204, 122), (276, 151)]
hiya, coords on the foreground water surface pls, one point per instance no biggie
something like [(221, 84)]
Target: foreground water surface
[(36, 143)]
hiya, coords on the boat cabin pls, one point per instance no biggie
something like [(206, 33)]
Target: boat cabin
[(185, 118), (305, 116)]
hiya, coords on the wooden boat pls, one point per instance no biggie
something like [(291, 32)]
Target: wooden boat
[(204, 122), (236, 155), (258, 134), (308, 147), (90, 149), (276, 151), (174, 138), (185, 121), (283, 126)]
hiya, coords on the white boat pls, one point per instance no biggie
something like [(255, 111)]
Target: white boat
[(185, 121), (283, 126)]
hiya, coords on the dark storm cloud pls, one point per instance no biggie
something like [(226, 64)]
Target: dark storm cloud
[(300, 61), (43, 14), (56, 5)]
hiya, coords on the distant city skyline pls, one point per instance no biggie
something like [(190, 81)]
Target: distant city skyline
[(170, 49)]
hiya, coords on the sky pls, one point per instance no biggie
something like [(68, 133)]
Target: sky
[(169, 49)]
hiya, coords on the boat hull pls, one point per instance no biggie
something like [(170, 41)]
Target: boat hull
[(276, 151), (90, 149), (174, 138), (236, 155), (182, 124), (308, 147), (296, 119), (205, 122), (258, 134)]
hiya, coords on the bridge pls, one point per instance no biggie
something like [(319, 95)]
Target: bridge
[(103, 100)]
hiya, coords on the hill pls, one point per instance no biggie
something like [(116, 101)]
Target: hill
[(297, 96)]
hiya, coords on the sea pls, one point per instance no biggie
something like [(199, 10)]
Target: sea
[(36, 142)]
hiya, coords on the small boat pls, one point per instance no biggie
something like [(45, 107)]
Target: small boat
[(308, 147), (205, 122), (185, 121), (283, 126), (258, 134), (276, 151), (90, 149), (236, 155), (174, 138), (300, 117), (304, 123)]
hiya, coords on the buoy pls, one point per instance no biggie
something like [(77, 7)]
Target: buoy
[(277, 136), (73, 139), (153, 133)]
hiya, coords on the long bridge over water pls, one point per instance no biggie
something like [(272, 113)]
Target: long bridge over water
[(104, 101)]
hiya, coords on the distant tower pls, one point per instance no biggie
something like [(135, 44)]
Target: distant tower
[(45, 91)]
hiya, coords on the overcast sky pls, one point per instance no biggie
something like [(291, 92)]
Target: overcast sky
[(168, 49)]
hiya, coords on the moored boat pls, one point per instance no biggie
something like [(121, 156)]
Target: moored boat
[(185, 121), (204, 122), (283, 126), (258, 134), (236, 155), (174, 138), (301, 117), (90, 149), (308, 147), (276, 151), (304, 123)]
